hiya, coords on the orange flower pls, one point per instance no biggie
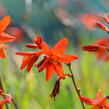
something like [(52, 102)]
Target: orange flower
[(52, 59), (101, 47), (55, 57), (98, 103), (89, 20), (4, 37)]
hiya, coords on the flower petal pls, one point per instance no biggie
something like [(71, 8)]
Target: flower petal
[(59, 70), (2, 102), (31, 46), (45, 47), (25, 53), (2, 53), (4, 23), (49, 71), (43, 65), (4, 37), (67, 58), (61, 45), (31, 62), (89, 101), (91, 48), (25, 62), (99, 94)]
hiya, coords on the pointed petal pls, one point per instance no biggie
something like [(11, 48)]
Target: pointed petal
[(2, 53), (107, 105), (31, 46), (44, 64), (89, 101), (38, 39), (99, 94), (31, 62), (45, 47), (49, 71), (4, 37), (59, 70), (25, 53), (61, 45), (101, 54), (103, 102), (25, 61), (2, 102), (4, 23), (67, 58), (91, 48)]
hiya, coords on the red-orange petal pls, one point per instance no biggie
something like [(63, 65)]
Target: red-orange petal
[(31, 62), (49, 71), (2, 102), (91, 48), (38, 39), (1, 92), (25, 53), (31, 46), (89, 101), (25, 61), (45, 48), (59, 70), (106, 19), (4, 23), (99, 94), (102, 26), (61, 45), (44, 64), (67, 58), (4, 37), (2, 53)]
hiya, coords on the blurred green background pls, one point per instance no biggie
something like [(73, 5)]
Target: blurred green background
[(40, 17)]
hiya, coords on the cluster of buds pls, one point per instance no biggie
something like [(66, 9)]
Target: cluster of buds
[(7, 98)]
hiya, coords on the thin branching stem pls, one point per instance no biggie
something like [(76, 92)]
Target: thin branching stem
[(1, 87), (15, 104), (74, 83)]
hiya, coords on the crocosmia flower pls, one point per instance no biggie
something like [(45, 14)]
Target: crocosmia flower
[(98, 103), (53, 57), (4, 37), (89, 20), (100, 47)]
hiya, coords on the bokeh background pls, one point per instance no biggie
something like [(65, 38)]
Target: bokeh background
[(53, 19)]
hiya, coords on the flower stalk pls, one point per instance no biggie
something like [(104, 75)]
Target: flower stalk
[(1, 87), (74, 83)]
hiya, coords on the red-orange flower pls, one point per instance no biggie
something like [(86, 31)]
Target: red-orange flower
[(55, 57), (4, 37), (89, 20), (52, 59), (98, 103), (101, 47)]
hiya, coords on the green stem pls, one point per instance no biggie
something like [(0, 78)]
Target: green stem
[(1, 87), (74, 83)]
